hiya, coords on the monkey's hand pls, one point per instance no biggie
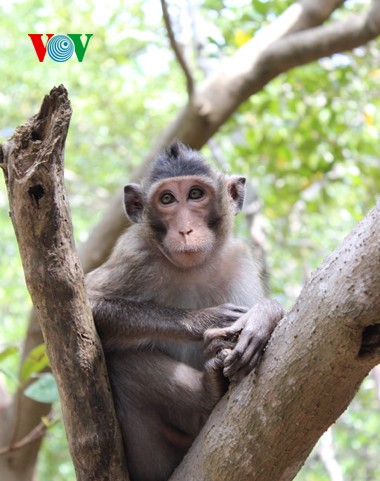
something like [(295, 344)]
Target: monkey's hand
[(221, 316), (244, 341)]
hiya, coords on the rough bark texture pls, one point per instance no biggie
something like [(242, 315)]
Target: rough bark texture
[(266, 426), (33, 168)]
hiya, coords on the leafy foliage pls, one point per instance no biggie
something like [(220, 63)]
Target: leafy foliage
[(34, 363), (44, 389)]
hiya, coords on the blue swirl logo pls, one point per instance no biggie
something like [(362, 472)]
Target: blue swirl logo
[(60, 48)]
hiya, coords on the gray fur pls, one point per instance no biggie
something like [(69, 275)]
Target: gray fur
[(152, 317)]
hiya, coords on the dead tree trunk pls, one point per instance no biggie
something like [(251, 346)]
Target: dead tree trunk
[(33, 168)]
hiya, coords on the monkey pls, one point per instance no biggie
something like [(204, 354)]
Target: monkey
[(179, 308)]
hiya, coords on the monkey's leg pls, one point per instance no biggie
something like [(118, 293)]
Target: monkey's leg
[(161, 405)]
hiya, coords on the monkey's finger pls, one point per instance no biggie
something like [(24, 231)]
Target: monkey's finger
[(240, 348), (217, 345), (232, 363), (212, 334), (216, 362), (245, 356), (223, 354), (239, 375), (227, 334), (228, 314), (233, 307), (241, 370)]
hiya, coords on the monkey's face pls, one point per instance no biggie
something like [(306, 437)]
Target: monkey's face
[(183, 216)]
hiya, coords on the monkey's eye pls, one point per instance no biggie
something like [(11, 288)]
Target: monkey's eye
[(196, 194), (167, 198)]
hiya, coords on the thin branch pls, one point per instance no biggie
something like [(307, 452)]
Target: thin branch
[(177, 50), (36, 433), (204, 63)]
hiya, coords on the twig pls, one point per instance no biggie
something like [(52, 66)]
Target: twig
[(177, 50), (199, 40), (36, 433)]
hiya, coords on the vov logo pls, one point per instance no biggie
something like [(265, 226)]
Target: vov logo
[(60, 48)]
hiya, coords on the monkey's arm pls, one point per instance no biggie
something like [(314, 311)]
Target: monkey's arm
[(251, 332), (121, 322)]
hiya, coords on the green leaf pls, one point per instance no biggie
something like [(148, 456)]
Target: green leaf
[(44, 389), (7, 352), (9, 375), (35, 362)]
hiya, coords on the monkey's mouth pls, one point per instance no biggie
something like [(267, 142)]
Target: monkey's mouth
[(187, 254), (186, 258), (189, 247), (192, 250)]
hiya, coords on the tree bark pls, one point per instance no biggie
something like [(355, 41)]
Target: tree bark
[(33, 168), (265, 427)]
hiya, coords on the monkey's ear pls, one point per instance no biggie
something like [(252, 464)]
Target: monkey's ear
[(236, 189), (133, 201)]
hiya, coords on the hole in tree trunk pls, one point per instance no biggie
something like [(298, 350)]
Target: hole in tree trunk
[(36, 192)]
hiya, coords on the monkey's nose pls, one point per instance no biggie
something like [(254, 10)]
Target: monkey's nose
[(185, 232)]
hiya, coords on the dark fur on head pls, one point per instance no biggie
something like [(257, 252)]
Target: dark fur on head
[(177, 160)]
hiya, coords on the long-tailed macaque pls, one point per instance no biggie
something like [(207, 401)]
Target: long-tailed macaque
[(178, 307)]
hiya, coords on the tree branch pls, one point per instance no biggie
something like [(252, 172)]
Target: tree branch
[(306, 46), (313, 359), (213, 104), (177, 50), (36, 433), (33, 170)]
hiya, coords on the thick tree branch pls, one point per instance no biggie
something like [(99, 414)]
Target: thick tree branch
[(313, 359), (306, 46), (33, 169)]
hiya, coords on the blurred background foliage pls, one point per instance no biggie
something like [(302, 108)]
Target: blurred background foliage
[(309, 142)]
